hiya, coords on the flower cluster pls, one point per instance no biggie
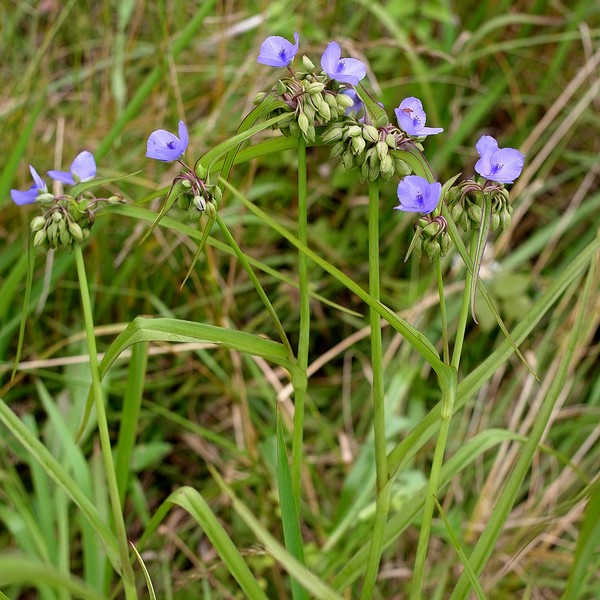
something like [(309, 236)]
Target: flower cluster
[(66, 220), (190, 189)]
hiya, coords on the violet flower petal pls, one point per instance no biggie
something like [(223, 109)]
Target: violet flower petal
[(502, 166), (344, 70), (83, 167), (486, 144), (412, 118), (276, 51), (165, 146), (416, 194), (63, 176), (21, 198)]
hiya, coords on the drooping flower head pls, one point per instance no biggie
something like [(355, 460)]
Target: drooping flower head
[(416, 194), (276, 51), (412, 118), (83, 168), (503, 165), (344, 70), (166, 146), (28, 197)]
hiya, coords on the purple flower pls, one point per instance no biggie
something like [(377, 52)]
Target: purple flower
[(416, 194), (276, 51), (28, 197), (165, 146), (411, 118), (83, 168), (503, 165), (344, 70)]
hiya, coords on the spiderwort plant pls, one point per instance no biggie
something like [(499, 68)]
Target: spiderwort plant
[(412, 118), (83, 168), (496, 164), (165, 146)]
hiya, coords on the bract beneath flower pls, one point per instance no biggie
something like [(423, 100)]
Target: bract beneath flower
[(165, 146), (21, 198), (344, 70), (502, 165), (416, 194), (412, 118), (83, 168), (276, 51)]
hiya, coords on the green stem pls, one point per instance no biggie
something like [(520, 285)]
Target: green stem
[(443, 315), (109, 467), (464, 309), (304, 330), (383, 490), (261, 292), (448, 397)]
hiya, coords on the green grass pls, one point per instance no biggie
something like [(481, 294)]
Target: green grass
[(200, 416)]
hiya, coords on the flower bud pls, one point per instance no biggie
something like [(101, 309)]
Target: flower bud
[(281, 87), (495, 221), (370, 134), (183, 201), (402, 169), (348, 160), (45, 197), (445, 243), (259, 97), (314, 88), (308, 64), (323, 108), (201, 171), (331, 100), (76, 231), (200, 203), (211, 210), (390, 140), (344, 101), (217, 194), (37, 223), (303, 122), (39, 238), (474, 211), (432, 247), (431, 229), (382, 149), (354, 130), (387, 168), (332, 134), (358, 144)]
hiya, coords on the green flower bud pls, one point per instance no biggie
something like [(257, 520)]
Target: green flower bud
[(39, 238), (364, 171), (57, 216), (331, 100), (495, 221), (76, 231), (324, 109), (387, 168), (52, 233), (337, 149), (348, 160), (45, 197), (37, 223), (259, 98), (65, 238), (310, 135), (402, 169), (303, 123), (281, 87), (217, 194), (314, 88), (358, 144), (201, 172), (354, 130), (390, 140), (211, 210), (183, 201), (332, 134), (433, 248), (374, 171), (382, 149), (370, 134), (474, 211), (344, 101), (431, 229), (445, 243), (309, 112), (308, 64)]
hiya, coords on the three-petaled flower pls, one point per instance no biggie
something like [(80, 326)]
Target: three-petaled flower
[(412, 118), (416, 194), (344, 70), (502, 165), (28, 197), (276, 51), (166, 146), (83, 168)]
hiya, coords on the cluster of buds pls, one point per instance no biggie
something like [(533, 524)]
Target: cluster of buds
[(309, 101), (66, 220), (194, 195), (369, 148), (431, 236), (466, 205)]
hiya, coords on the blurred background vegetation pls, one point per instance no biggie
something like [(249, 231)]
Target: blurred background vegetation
[(102, 75)]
